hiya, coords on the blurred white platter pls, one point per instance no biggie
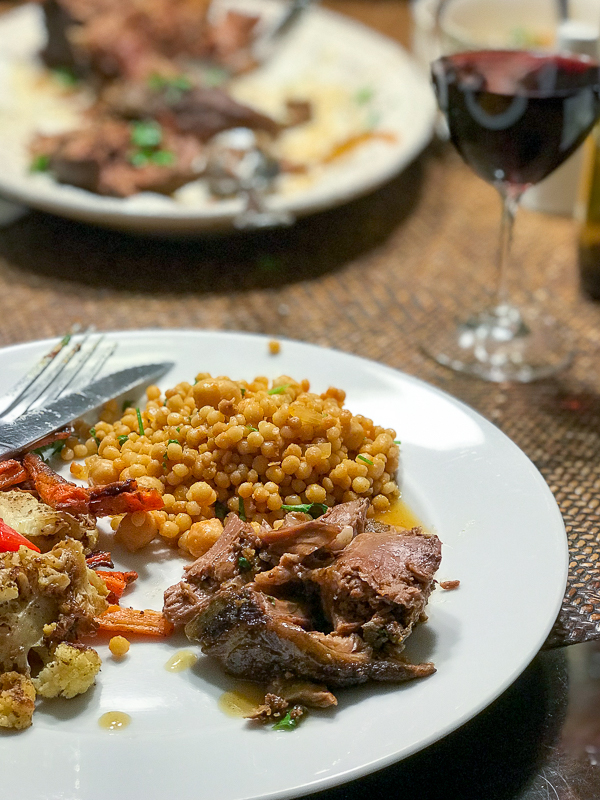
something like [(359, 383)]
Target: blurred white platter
[(357, 78), (503, 538)]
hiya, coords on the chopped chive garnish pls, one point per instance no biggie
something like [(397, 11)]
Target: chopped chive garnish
[(397, 441), (251, 428), (243, 391), (314, 509), (65, 76), (94, 437), (140, 423), (220, 510), (363, 95), (173, 441), (279, 389), (40, 163), (122, 439), (241, 509), (244, 564), (365, 459), (287, 723)]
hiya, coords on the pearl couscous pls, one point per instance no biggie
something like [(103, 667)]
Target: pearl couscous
[(220, 445)]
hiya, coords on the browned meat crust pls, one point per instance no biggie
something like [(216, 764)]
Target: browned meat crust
[(99, 158), (321, 600)]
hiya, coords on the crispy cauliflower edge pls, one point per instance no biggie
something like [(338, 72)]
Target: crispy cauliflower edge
[(17, 701), (69, 671), (46, 601)]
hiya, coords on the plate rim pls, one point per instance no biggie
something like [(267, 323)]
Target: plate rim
[(362, 770)]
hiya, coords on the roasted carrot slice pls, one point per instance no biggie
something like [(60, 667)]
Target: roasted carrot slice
[(100, 558), (11, 472), (129, 620), (116, 582)]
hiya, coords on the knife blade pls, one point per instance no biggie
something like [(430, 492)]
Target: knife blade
[(36, 424)]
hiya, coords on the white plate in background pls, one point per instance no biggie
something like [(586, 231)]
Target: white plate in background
[(325, 49), (503, 538)]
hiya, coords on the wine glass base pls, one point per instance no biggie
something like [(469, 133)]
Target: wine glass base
[(502, 344)]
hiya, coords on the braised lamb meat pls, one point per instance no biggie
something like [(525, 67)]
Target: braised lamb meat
[(102, 158), (133, 39), (196, 110), (326, 600)]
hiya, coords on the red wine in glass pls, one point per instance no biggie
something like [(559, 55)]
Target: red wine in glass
[(514, 116)]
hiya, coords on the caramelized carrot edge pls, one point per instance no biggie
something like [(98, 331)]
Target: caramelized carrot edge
[(129, 620)]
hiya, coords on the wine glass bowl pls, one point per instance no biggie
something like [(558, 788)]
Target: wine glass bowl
[(514, 116)]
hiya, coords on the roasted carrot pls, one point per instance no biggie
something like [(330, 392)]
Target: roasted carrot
[(101, 558), (11, 472), (116, 582), (129, 620)]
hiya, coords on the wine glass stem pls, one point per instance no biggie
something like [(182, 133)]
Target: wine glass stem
[(510, 202)]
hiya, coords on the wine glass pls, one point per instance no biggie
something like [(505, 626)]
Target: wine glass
[(514, 116)]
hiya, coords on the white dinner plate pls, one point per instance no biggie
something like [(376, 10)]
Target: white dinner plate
[(503, 538), (326, 54)]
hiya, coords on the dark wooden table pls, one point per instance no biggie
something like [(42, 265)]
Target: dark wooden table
[(372, 278)]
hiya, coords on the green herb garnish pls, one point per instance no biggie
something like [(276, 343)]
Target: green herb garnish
[(279, 389), (214, 76), (243, 391), (364, 95), (126, 404), (40, 163), (251, 428), (244, 564), (49, 450), (221, 510), (314, 509), (287, 723), (94, 437), (122, 439), (364, 458), (397, 441), (146, 134), (140, 423), (179, 82), (65, 76), (241, 509), (173, 441)]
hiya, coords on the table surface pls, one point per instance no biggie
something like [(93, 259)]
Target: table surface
[(374, 278)]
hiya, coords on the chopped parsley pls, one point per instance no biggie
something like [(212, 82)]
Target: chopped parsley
[(146, 134), (364, 95), (242, 390), (241, 509), (40, 163), (252, 428), (286, 723), (49, 450), (181, 83), (314, 509), (173, 441), (279, 389), (140, 423), (146, 137), (65, 76), (244, 564), (122, 439), (364, 458), (220, 510), (94, 437)]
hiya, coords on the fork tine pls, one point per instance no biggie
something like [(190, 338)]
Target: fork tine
[(73, 368), (14, 396), (54, 379)]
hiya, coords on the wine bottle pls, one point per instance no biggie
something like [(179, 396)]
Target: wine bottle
[(589, 232)]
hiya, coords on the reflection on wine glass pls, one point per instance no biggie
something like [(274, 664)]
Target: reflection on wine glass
[(514, 117)]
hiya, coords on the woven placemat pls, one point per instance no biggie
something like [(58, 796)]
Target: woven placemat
[(373, 278)]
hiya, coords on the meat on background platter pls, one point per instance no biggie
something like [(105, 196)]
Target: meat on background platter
[(503, 538), (326, 54)]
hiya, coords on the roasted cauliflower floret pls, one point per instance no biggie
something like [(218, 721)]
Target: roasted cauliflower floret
[(46, 600), (69, 671), (17, 701), (57, 599), (43, 525)]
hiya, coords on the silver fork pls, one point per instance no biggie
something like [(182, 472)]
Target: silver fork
[(71, 363)]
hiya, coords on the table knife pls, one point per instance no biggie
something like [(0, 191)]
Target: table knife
[(34, 425)]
